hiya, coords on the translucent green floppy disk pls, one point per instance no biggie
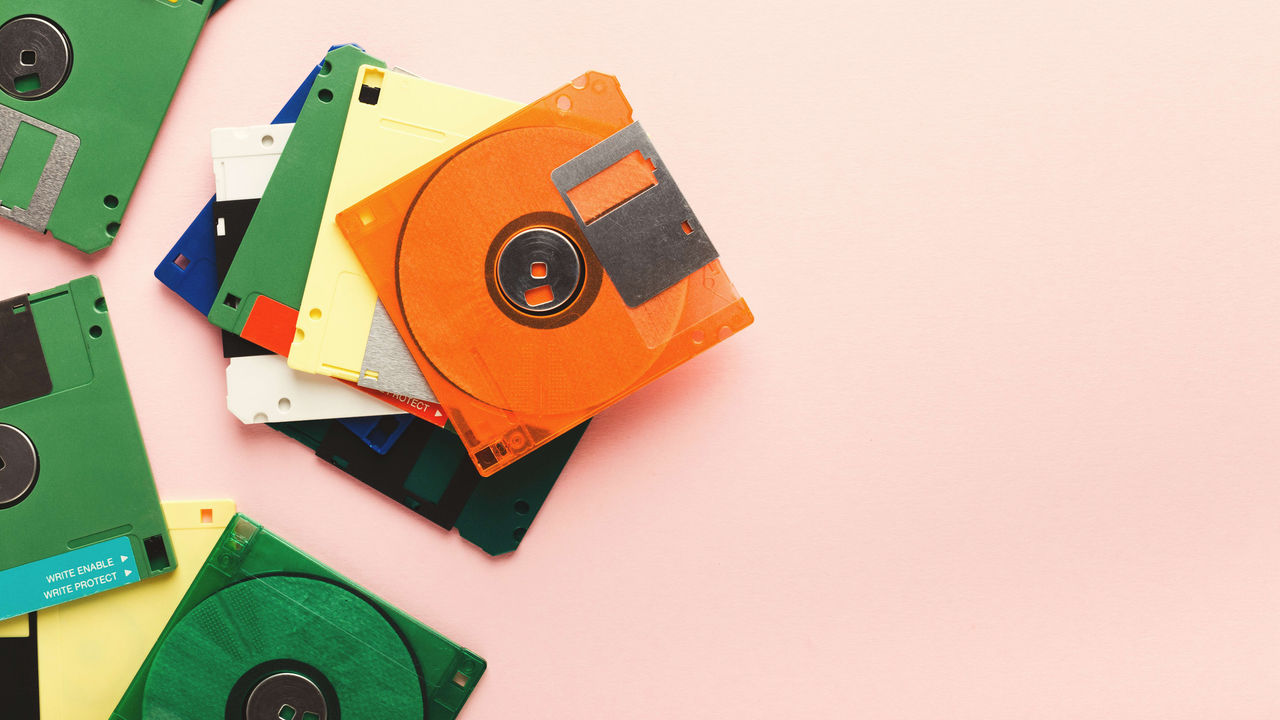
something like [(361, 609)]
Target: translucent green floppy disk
[(78, 507), (266, 631), (84, 87)]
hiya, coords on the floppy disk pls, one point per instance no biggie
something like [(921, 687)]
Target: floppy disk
[(396, 122), (267, 632), (190, 267), (428, 471), (243, 160), (264, 389), (543, 270), (260, 296), (78, 506), (73, 134), (74, 661), (260, 387), (248, 157)]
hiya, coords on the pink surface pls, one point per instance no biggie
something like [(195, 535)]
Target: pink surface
[(1002, 443)]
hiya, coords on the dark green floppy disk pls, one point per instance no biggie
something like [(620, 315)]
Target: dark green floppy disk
[(84, 87), (266, 631), (78, 507), (429, 471)]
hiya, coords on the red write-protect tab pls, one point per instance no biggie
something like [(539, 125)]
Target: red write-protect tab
[(271, 325)]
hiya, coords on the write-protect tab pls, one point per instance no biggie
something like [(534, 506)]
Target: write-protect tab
[(69, 576)]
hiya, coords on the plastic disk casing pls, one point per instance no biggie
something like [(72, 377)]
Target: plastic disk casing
[(84, 87), (189, 268), (86, 652), (264, 620), (260, 293), (571, 188), (270, 269), (244, 159), (78, 507), (260, 388), (428, 471), (396, 123), (263, 389)]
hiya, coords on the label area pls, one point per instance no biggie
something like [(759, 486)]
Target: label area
[(69, 576), (23, 164)]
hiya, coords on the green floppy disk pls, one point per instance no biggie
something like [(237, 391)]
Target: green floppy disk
[(84, 87), (260, 295), (266, 631), (78, 507)]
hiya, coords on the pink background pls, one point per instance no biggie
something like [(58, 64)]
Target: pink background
[(1003, 442)]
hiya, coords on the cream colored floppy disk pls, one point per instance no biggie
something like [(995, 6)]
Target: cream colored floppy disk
[(396, 123)]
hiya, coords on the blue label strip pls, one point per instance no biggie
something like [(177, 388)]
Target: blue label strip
[(69, 576)]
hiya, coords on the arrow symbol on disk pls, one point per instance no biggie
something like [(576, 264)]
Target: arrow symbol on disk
[(127, 573), (124, 558)]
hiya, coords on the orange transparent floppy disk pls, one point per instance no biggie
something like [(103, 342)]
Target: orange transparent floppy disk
[(543, 270)]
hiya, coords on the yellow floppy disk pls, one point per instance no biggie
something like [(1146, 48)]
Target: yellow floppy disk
[(396, 123), (14, 627), (83, 654)]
